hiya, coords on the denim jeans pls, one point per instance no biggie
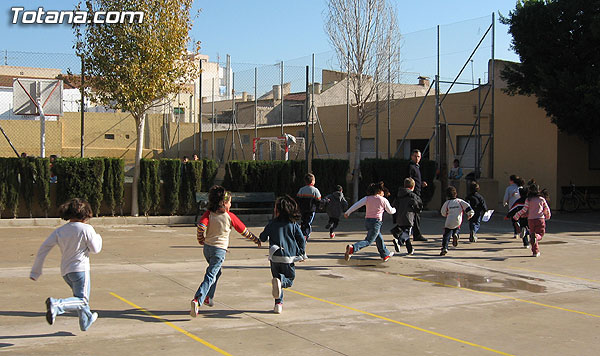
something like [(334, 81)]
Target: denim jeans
[(79, 302), (333, 223), (373, 234), (285, 272), (447, 235), (215, 257), (474, 224), (306, 222)]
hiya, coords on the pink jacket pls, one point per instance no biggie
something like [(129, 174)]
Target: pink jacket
[(376, 204), (534, 208)]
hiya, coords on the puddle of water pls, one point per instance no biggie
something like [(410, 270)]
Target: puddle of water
[(477, 282), (554, 242)]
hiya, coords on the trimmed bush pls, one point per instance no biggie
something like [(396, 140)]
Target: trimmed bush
[(170, 173), (191, 182), (329, 173), (80, 178), (42, 183), (27, 181), (209, 172), (9, 185), (149, 186), (112, 185)]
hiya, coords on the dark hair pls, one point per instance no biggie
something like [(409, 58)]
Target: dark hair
[(288, 209), (523, 191), (456, 161), (409, 182), (451, 192), (308, 178), (75, 208), (217, 196), (338, 188), (473, 187), (375, 188), (536, 191), (513, 177)]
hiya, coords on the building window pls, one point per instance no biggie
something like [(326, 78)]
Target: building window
[(109, 136), (465, 149)]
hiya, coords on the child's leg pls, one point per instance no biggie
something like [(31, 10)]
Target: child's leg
[(383, 251), (372, 226), (537, 229), (286, 273), (446, 238), (215, 257), (334, 224), (80, 284), (305, 226)]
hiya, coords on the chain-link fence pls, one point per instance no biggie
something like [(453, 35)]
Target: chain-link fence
[(232, 103)]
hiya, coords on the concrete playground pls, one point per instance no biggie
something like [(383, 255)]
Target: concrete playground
[(484, 298)]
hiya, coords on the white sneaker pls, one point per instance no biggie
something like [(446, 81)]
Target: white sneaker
[(194, 308), (50, 313), (387, 258), (92, 319), (537, 254), (278, 308), (276, 284)]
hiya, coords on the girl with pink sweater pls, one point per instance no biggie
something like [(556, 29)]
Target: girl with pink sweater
[(376, 204), (537, 212)]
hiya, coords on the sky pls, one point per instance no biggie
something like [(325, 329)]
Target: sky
[(265, 32)]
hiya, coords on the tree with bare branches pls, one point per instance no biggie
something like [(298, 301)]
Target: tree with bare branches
[(366, 39), (134, 66)]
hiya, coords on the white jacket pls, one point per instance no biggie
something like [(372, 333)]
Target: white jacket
[(453, 210), (76, 240)]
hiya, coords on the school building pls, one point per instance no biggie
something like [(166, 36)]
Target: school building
[(524, 142)]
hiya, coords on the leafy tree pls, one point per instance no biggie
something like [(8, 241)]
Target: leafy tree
[(557, 42), (365, 37), (132, 66)]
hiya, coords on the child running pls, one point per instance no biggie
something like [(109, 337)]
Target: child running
[(213, 232), (521, 223), (336, 205), (479, 207), (76, 239), (376, 204), (407, 204), (537, 212), (286, 246), (453, 210), (308, 201)]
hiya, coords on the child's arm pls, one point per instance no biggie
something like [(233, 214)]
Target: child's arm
[(94, 241), (344, 203), (202, 224), (264, 236), (523, 211), (355, 207), (546, 209), (299, 237), (390, 210), (467, 208), (239, 226), (444, 209), (36, 270)]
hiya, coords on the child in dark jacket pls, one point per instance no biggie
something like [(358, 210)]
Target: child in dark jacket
[(521, 224), (336, 205), (477, 203), (286, 246), (407, 204)]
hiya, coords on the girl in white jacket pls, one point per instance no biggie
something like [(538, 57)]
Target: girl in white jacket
[(453, 210)]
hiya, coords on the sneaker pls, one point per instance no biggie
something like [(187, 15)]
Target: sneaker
[(419, 238), (92, 320), (349, 252), (516, 236), (411, 251), (387, 258), (50, 315), (209, 301), (194, 308), (278, 308), (332, 235), (444, 252), (454, 240), (276, 284), (396, 245), (537, 254)]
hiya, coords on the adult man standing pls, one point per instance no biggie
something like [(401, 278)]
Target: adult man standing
[(414, 172)]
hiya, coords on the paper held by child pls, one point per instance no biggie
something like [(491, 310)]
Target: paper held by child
[(486, 217)]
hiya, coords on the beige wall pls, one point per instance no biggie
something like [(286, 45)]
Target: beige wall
[(573, 163)]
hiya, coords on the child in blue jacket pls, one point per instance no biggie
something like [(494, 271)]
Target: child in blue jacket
[(286, 246)]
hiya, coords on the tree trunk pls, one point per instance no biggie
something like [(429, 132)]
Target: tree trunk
[(357, 153), (140, 122)]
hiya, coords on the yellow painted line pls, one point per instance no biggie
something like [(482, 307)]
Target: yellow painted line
[(186, 333), (496, 295), (554, 274), (399, 323)]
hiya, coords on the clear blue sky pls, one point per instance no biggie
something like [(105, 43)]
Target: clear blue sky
[(267, 31)]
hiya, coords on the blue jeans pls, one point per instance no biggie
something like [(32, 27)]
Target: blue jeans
[(306, 222), (215, 257), (373, 234), (285, 272), (474, 224), (79, 302), (447, 235)]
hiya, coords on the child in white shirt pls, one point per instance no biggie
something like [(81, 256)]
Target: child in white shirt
[(453, 210)]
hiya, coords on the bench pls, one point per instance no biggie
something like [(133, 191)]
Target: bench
[(241, 202)]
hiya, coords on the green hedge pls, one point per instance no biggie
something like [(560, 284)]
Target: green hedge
[(112, 184), (329, 173), (209, 172), (170, 173), (27, 177), (9, 185), (191, 182), (42, 183), (149, 186), (80, 178)]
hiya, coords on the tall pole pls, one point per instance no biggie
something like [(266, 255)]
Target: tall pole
[(478, 135), (82, 90), (213, 119), (312, 108), (493, 83), (377, 121), (307, 113), (42, 120), (233, 116), (389, 127), (201, 154), (348, 106), (255, 101), (281, 92)]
